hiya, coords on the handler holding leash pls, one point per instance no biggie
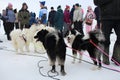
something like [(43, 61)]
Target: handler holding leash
[(110, 19)]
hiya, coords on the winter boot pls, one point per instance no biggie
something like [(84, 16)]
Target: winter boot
[(116, 55)]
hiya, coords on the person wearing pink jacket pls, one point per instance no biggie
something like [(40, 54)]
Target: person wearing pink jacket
[(89, 19)]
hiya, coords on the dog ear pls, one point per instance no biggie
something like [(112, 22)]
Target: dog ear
[(36, 37), (73, 31), (81, 35)]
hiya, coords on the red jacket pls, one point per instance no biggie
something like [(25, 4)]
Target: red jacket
[(67, 16)]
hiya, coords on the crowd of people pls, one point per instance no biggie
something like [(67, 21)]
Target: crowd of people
[(60, 19), (63, 20)]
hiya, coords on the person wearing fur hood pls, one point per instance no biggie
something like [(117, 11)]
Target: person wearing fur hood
[(24, 16)]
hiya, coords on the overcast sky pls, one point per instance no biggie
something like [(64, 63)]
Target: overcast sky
[(33, 5)]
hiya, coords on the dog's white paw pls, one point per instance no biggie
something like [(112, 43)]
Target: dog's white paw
[(17, 53), (35, 51), (94, 68), (28, 50), (73, 62), (99, 68), (79, 61)]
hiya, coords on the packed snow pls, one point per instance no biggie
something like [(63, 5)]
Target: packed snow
[(25, 66)]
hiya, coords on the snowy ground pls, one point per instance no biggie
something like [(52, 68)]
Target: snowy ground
[(23, 67)]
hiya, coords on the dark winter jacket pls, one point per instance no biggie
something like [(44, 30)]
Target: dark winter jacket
[(24, 16), (71, 13), (97, 13), (59, 19), (32, 19), (110, 9), (51, 17), (3, 18)]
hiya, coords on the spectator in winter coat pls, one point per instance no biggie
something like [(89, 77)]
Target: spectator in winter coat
[(110, 19), (32, 19), (72, 12), (67, 20), (10, 20), (59, 19), (0, 24), (51, 17), (89, 19), (16, 19), (24, 16), (4, 19), (78, 18), (43, 13)]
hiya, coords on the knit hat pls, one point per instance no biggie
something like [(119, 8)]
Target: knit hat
[(89, 8), (77, 4), (52, 7), (10, 5), (59, 7), (67, 7), (24, 4), (42, 3)]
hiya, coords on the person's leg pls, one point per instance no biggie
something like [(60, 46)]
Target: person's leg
[(1, 41), (65, 29), (75, 25), (11, 28), (5, 27), (80, 27), (106, 28), (21, 26), (8, 30), (16, 25), (88, 28), (116, 51)]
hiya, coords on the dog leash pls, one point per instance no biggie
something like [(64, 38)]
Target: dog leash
[(53, 76), (103, 52), (106, 66)]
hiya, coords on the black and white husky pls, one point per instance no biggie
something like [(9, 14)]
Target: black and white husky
[(81, 42), (55, 47)]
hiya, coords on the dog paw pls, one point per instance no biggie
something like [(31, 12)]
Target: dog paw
[(53, 71), (94, 68), (99, 68), (73, 62), (28, 50), (63, 73), (22, 53), (80, 61), (35, 51)]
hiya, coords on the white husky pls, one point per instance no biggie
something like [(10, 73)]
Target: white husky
[(23, 38), (18, 40)]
